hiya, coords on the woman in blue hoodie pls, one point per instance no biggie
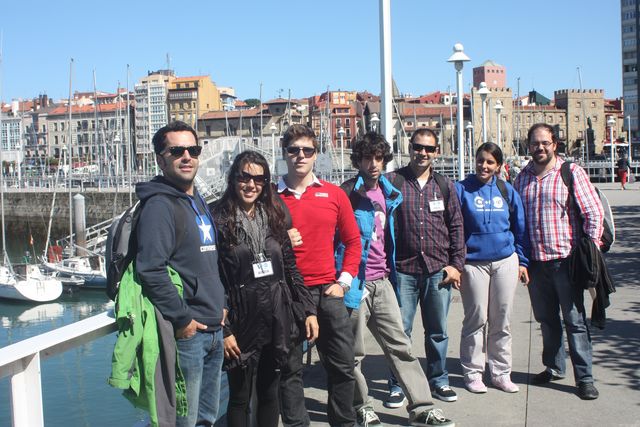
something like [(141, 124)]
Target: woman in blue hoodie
[(495, 235)]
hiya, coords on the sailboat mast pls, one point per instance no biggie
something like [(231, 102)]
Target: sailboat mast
[(4, 240), (69, 163), (129, 142)]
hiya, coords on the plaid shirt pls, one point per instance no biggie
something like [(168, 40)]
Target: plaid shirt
[(425, 242), (552, 226)]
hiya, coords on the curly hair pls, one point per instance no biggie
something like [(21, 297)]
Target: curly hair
[(224, 210), (371, 144)]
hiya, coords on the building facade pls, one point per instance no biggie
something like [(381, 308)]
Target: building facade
[(629, 21), (190, 97)]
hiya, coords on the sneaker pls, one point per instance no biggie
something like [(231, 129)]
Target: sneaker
[(445, 393), (504, 383), (396, 400), (474, 384), (366, 417), (544, 377), (432, 417), (587, 391)]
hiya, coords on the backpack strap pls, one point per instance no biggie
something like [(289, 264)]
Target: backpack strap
[(504, 192), (441, 180)]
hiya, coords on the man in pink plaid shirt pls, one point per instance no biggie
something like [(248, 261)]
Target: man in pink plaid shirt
[(554, 227)]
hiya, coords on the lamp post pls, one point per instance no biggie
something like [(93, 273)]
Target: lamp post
[(483, 92), (629, 138), (499, 107), (611, 122), (273, 129), (374, 122), (469, 129), (459, 58), (341, 134)]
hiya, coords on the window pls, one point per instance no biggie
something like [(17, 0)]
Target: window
[(593, 104), (579, 134), (578, 104), (338, 122), (347, 122), (576, 118), (628, 42)]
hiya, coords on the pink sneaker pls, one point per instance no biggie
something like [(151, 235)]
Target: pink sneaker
[(503, 382), (474, 383)]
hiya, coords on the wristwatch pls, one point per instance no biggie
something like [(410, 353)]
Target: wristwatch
[(344, 286)]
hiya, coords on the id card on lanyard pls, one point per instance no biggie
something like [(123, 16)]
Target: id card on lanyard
[(262, 267)]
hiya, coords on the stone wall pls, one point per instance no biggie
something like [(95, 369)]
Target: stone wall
[(30, 210)]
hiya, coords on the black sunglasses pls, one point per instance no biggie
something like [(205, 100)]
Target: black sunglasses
[(245, 177), (178, 151), (427, 148), (308, 151)]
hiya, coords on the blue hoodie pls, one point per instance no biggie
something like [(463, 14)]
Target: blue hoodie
[(490, 230)]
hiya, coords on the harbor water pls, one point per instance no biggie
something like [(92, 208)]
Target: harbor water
[(74, 383)]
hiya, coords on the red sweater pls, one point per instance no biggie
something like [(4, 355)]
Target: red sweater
[(322, 211)]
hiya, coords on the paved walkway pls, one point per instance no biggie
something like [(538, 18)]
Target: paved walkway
[(616, 355)]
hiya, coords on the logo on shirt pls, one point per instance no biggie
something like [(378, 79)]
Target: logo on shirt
[(322, 194), (206, 229), (498, 202)]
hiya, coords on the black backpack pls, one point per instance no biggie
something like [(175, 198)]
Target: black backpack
[(609, 226), (122, 244)]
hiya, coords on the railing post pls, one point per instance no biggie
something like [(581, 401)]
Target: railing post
[(26, 394)]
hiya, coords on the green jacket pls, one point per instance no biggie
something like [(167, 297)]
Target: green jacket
[(137, 349)]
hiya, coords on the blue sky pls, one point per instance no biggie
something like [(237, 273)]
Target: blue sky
[(306, 45)]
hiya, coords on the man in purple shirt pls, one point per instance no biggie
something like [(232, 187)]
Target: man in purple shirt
[(429, 258)]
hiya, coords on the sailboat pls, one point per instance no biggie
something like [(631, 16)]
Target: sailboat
[(26, 282), (79, 271)]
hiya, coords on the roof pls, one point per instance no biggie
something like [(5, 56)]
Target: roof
[(278, 101), (490, 63), (216, 115), (190, 78), (80, 109)]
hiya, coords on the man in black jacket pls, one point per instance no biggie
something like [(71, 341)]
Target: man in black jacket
[(190, 249)]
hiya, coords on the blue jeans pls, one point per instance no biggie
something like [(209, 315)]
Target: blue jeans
[(434, 306), (551, 292), (200, 359)]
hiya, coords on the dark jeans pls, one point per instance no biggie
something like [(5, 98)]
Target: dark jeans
[(551, 292), (267, 375), (200, 360), (335, 345)]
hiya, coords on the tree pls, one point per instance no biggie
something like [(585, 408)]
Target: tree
[(252, 102)]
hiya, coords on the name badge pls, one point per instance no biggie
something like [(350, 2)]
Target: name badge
[(262, 269), (436, 206)]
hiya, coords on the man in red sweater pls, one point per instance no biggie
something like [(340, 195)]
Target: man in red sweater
[(319, 210)]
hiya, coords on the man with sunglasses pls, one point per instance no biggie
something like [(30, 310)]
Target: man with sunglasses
[(372, 297), (175, 229), (555, 229), (319, 210), (430, 254)]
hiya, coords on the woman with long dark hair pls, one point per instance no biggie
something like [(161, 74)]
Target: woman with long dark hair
[(497, 245), (261, 280)]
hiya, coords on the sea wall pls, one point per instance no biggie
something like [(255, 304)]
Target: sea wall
[(29, 211)]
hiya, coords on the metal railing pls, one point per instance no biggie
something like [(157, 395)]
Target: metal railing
[(21, 361)]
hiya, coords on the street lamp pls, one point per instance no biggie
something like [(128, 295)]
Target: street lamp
[(629, 138), (374, 122), (499, 107), (611, 122), (469, 129), (341, 134), (459, 58), (483, 92), (273, 129)]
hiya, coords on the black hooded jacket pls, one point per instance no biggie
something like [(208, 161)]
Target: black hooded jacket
[(193, 255)]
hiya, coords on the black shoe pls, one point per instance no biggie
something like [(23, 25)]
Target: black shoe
[(544, 377), (396, 400), (587, 391), (444, 393)]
